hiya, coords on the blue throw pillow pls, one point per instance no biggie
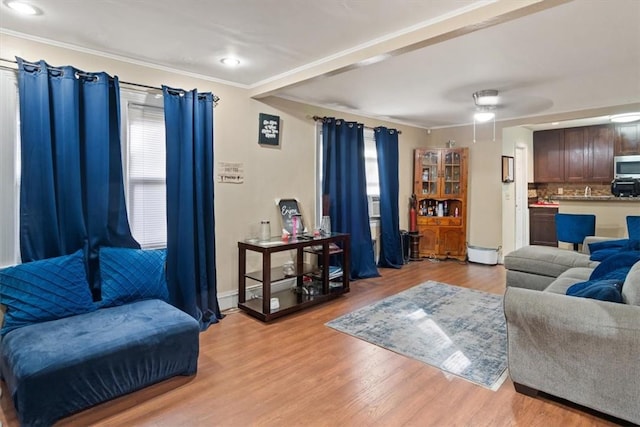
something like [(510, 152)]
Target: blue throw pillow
[(44, 290), (601, 250), (603, 290), (619, 261), (602, 254), (129, 275)]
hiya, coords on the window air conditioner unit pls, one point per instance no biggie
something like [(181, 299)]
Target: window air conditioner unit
[(374, 206)]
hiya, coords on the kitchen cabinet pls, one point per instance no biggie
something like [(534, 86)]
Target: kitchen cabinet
[(440, 187), (548, 155), (542, 226), (581, 154), (627, 139), (588, 154)]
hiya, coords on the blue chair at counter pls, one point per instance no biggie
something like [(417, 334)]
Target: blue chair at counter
[(633, 227), (573, 228)]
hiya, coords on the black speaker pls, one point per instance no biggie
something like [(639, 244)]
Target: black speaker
[(404, 236)]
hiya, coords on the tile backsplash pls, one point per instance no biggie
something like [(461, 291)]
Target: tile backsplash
[(544, 191)]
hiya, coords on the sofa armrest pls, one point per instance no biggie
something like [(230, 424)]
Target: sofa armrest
[(583, 350)]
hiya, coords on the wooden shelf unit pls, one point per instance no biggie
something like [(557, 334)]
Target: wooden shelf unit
[(292, 300), (440, 176)]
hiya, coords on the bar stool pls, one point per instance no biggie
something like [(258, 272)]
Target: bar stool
[(633, 227), (573, 228)]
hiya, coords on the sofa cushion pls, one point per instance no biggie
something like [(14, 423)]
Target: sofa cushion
[(43, 290), (631, 286), (53, 369), (546, 261), (129, 275), (603, 290), (568, 279)]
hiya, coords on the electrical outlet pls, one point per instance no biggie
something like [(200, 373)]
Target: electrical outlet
[(560, 191)]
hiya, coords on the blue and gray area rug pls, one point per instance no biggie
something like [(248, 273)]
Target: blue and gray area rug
[(461, 331)]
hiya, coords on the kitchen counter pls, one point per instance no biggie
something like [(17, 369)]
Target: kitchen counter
[(544, 205), (596, 199)]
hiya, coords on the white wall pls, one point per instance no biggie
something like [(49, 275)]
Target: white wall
[(513, 137)]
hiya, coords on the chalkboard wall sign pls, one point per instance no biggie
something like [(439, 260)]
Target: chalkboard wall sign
[(288, 209), (268, 129)]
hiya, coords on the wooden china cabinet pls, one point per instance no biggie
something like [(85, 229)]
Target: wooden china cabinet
[(440, 187)]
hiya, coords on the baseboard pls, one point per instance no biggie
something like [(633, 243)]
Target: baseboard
[(229, 299)]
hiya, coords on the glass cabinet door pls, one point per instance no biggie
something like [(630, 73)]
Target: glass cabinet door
[(429, 176), (452, 172)]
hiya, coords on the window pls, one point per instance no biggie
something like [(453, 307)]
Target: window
[(9, 169), (144, 156), (371, 171)]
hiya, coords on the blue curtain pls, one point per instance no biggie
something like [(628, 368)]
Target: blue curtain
[(191, 250), (72, 193), (344, 186), (390, 240)]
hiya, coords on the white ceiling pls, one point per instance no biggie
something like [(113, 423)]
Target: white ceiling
[(409, 61)]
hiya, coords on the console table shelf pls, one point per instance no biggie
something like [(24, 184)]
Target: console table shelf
[(303, 295)]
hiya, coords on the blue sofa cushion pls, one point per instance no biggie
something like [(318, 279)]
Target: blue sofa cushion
[(604, 290), (129, 275), (53, 369), (44, 290)]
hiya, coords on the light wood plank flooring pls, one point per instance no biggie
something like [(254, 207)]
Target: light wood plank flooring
[(298, 372)]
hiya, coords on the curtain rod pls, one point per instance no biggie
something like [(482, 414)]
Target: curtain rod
[(216, 98), (319, 119)]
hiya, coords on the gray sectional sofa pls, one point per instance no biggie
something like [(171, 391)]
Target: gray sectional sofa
[(583, 350)]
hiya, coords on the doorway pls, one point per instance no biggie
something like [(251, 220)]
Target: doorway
[(521, 196)]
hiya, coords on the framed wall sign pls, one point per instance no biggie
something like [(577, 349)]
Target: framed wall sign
[(507, 169), (268, 129)]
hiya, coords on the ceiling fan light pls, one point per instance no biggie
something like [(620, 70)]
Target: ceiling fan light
[(486, 97), (483, 116), (625, 118)]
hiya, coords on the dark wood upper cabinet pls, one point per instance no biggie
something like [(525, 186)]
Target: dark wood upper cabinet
[(576, 155), (581, 154), (548, 155), (600, 141), (627, 139)]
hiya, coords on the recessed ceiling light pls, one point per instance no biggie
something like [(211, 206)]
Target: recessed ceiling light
[(625, 118), (555, 123), (230, 62), (23, 8)]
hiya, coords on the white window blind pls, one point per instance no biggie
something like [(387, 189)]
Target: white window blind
[(146, 175), (371, 163), (371, 167), (9, 169)]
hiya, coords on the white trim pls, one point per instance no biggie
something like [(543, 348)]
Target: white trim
[(229, 299)]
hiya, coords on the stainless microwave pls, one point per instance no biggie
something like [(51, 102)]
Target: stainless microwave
[(626, 167)]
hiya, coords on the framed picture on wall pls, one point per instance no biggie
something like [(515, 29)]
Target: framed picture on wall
[(507, 169)]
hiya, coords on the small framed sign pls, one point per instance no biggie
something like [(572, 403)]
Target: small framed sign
[(268, 129), (288, 210), (507, 169)]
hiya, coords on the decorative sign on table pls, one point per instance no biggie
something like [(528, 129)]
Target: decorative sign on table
[(268, 129), (288, 210)]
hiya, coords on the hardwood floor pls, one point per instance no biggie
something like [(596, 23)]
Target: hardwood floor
[(297, 372)]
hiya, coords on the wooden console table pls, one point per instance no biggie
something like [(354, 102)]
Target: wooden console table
[(313, 284)]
